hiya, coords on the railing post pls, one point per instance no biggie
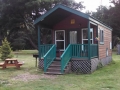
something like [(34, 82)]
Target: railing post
[(89, 55), (44, 64), (39, 48)]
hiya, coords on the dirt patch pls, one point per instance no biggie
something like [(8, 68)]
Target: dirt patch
[(30, 77)]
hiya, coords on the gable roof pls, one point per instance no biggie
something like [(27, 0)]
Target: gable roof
[(69, 10)]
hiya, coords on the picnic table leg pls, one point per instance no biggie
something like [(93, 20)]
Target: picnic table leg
[(18, 67), (4, 66)]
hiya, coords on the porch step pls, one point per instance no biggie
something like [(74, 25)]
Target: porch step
[(57, 59), (55, 67), (53, 70), (53, 73), (56, 63)]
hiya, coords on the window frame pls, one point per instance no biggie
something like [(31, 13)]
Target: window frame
[(91, 39), (101, 36)]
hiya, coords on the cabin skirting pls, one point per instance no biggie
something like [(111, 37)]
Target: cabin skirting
[(106, 60), (88, 66), (41, 64), (83, 66)]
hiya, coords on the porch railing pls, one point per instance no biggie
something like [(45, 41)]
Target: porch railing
[(44, 49), (79, 50), (65, 57), (93, 50), (49, 57)]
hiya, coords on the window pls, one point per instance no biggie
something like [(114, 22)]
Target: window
[(85, 36), (101, 37)]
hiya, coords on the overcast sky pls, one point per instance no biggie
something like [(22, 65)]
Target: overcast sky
[(91, 5)]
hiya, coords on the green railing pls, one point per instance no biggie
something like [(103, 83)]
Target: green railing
[(65, 57), (45, 48), (79, 50), (93, 50), (49, 57)]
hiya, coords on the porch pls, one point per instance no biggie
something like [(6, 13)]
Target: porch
[(74, 52)]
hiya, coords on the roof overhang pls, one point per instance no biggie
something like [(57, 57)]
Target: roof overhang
[(60, 12), (92, 19), (56, 14)]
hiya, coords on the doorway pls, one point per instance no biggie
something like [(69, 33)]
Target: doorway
[(73, 37), (60, 39)]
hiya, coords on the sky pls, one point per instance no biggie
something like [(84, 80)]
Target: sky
[(91, 5)]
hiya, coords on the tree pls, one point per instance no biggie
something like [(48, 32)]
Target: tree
[(5, 50), (111, 17), (17, 16), (103, 13)]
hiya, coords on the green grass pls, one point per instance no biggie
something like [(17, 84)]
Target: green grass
[(26, 52), (106, 78)]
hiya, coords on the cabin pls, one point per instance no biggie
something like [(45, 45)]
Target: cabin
[(80, 42)]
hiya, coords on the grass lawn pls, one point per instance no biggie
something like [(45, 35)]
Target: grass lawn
[(31, 78)]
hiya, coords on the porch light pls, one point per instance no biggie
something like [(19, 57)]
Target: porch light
[(72, 21)]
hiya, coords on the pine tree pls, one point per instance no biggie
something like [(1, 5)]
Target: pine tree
[(5, 50)]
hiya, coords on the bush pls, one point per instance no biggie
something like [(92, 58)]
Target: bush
[(99, 65), (5, 50)]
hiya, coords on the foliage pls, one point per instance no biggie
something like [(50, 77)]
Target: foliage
[(110, 16), (18, 44), (5, 50), (17, 16), (99, 65)]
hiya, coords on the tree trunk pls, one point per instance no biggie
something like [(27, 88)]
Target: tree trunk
[(32, 43)]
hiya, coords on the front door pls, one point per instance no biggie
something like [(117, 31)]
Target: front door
[(60, 39), (73, 37)]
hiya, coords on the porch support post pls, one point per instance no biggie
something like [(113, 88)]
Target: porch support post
[(89, 55), (39, 39), (97, 41)]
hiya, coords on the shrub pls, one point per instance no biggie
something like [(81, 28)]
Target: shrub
[(5, 50)]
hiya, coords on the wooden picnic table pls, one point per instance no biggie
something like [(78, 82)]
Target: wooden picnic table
[(11, 62)]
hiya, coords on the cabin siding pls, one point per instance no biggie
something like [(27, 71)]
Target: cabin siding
[(53, 36), (107, 40), (66, 23)]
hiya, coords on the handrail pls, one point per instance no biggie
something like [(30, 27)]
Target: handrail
[(65, 57), (49, 57), (94, 50)]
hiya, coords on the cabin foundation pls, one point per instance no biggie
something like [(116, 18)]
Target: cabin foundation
[(82, 66)]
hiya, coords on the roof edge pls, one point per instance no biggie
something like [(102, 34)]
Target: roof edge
[(99, 22), (64, 8)]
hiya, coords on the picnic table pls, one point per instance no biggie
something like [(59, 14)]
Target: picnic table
[(11, 62)]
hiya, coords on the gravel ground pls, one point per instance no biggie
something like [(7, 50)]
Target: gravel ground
[(30, 77)]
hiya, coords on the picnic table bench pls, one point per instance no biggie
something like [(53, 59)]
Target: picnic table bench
[(11, 62)]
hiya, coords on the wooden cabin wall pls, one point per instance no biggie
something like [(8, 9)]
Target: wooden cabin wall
[(53, 36), (107, 40), (66, 23)]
